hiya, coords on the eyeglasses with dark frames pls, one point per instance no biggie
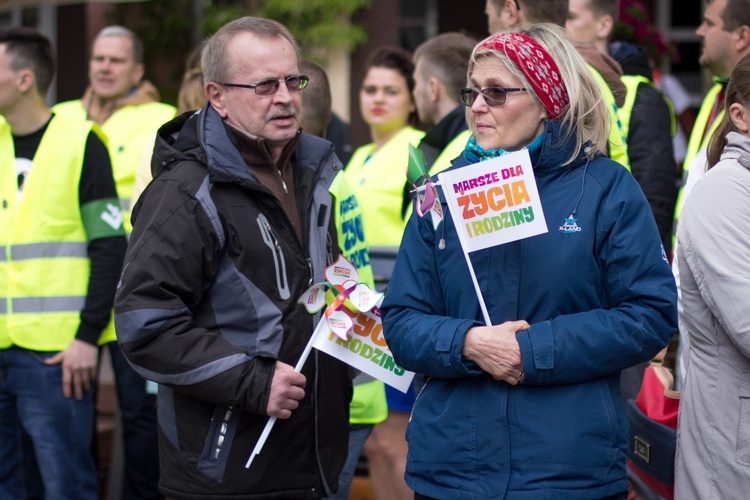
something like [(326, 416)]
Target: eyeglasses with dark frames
[(271, 86), (493, 96)]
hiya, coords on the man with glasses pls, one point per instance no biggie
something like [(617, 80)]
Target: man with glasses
[(236, 225)]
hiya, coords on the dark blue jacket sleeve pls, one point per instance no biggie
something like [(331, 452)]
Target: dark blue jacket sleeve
[(642, 297)]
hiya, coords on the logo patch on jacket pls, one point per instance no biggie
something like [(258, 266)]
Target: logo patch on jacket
[(570, 226)]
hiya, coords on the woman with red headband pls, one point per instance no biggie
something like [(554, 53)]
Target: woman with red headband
[(529, 407)]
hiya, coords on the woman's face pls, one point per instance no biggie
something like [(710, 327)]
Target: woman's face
[(511, 125), (384, 99)]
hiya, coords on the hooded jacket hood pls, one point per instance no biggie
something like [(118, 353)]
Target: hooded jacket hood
[(633, 59)]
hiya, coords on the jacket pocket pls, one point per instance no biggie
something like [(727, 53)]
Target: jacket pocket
[(221, 431), (742, 455), (441, 428)]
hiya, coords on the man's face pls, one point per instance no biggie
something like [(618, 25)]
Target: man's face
[(717, 55), (112, 70), (582, 24), (9, 93), (421, 94), (249, 60), (495, 23)]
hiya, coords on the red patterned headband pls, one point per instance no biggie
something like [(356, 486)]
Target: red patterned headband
[(538, 66)]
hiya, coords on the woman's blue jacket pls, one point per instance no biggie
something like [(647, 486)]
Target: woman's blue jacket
[(599, 295)]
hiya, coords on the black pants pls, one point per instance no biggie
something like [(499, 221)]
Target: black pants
[(140, 435)]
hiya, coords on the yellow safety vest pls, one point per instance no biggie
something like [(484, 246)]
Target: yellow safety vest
[(378, 179), (368, 405), (625, 112), (350, 228), (127, 131), (618, 150), (44, 263), (699, 139)]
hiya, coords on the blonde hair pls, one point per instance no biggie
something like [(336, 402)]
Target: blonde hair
[(191, 95), (586, 117)]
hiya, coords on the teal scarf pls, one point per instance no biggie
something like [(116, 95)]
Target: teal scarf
[(474, 153)]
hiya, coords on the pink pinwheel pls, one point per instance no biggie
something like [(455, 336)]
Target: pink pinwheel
[(344, 296), (426, 196)]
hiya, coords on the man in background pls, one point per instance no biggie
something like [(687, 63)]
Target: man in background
[(61, 250), (129, 112), (514, 15), (440, 66), (646, 116), (725, 33)]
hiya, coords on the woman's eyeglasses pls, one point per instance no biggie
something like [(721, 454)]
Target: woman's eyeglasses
[(493, 96), (269, 87)]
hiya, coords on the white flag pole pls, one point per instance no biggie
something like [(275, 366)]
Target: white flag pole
[(480, 297), (302, 359), (479, 179)]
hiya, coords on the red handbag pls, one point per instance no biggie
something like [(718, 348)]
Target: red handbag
[(652, 420)]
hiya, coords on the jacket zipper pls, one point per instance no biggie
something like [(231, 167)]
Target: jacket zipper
[(306, 243)]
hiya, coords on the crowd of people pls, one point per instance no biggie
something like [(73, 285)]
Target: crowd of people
[(179, 240)]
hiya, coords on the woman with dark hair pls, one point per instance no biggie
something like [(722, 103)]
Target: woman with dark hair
[(376, 170), (713, 435), (526, 404), (377, 174)]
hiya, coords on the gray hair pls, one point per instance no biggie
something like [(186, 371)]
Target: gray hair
[(214, 57), (122, 31)]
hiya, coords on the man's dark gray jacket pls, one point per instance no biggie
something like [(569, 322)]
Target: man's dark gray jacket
[(207, 304)]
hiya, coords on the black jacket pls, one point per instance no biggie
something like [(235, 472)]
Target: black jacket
[(208, 303), (650, 146)]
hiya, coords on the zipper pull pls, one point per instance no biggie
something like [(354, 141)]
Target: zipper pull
[(309, 265), (283, 184)]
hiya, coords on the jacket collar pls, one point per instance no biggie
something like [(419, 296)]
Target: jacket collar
[(738, 146), (557, 149)]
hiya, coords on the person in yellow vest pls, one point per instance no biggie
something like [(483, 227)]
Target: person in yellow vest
[(646, 116), (377, 171), (514, 15), (377, 174), (725, 33), (368, 406), (127, 109), (190, 97), (62, 248), (725, 38)]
